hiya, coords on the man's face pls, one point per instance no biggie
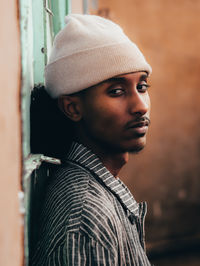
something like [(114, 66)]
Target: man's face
[(116, 113)]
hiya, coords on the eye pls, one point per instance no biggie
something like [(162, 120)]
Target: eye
[(142, 87), (117, 91)]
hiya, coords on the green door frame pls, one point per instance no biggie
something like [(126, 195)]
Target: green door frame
[(39, 22)]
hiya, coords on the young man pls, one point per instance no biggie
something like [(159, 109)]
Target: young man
[(99, 78)]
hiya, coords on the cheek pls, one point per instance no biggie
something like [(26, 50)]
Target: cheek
[(106, 116), (148, 102)]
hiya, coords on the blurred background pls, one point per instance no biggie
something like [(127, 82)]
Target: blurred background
[(166, 173)]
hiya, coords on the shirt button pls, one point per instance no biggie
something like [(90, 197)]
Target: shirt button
[(132, 218)]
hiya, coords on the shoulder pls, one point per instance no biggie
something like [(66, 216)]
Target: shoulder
[(77, 202), (64, 197), (68, 184), (97, 218), (87, 191)]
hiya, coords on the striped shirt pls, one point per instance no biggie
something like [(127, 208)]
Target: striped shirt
[(89, 217)]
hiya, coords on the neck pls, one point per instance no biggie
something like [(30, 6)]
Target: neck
[(112, 160)]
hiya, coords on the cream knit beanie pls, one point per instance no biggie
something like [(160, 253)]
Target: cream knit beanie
[(89, 50)]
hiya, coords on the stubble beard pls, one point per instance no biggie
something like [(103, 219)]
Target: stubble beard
[(114, 148), (136, 150)]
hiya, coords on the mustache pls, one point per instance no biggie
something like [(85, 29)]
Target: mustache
[(138, 122)]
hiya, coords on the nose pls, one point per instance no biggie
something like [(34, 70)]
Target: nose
[(139, 104)]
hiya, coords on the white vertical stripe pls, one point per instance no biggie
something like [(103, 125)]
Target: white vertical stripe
[(84, 251), (103, 256), (73, 249), (59, 263), (67, 249), (97, 254)]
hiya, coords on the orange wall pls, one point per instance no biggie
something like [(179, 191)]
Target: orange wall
[(166, 173), (77, 6), (10, 139)]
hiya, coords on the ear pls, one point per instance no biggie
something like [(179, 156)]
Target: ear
[(71, 107)]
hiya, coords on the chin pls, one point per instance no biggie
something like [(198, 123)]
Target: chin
[(136, 149), (137, 146)]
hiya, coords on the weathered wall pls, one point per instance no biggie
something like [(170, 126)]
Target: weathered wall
[(77, 6), (166, 173), (10, 139)]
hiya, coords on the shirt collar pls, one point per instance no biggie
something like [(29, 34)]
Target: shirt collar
[(86, 158)]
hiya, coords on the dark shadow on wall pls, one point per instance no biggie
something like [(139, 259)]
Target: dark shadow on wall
[(51, 131)]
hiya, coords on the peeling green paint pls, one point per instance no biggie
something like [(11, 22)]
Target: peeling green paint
[(34, 161), (38, 41), (60, 8)]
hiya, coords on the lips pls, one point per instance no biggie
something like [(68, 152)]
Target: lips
[(138, 128), (143, 122)]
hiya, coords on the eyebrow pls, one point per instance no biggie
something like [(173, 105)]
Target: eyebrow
[(144, 77), (123, 79), (116, 80)]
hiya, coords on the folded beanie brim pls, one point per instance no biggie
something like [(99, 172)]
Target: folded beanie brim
[(72, 73)]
